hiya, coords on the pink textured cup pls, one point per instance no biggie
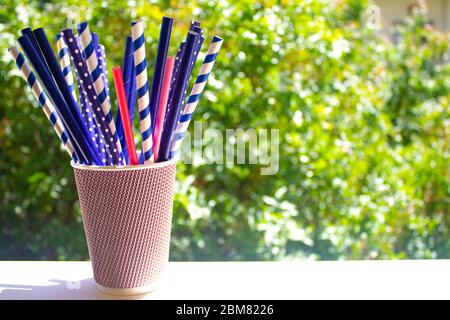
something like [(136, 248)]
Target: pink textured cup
[(127, 217)]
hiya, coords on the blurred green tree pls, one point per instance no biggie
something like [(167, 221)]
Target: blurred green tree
[(363, 124)]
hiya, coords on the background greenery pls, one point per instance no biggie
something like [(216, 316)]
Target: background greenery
[(364, 127)]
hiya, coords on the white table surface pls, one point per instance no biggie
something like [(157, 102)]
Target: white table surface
[(241, 280)]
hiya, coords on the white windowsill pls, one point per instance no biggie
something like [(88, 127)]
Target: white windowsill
[(242, 280)]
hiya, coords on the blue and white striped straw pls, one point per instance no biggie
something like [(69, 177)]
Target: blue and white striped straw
[(99, 84), (45, 103), (82, 71), (86, 112), (89, 119), (64, 62), (195, 95), (101, 54), (140, 65)]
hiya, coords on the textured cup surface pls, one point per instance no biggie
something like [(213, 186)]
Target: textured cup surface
[(127, 217)]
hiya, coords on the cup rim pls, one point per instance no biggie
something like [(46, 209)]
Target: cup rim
[(123, 168)]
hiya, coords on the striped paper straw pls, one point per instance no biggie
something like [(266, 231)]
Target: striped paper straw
[(86, 112), (45, 103), (99, 83), (101, 54), (89, 91), (140, 65), (89, 119), (101, 61), (64, 61), (195, 95)]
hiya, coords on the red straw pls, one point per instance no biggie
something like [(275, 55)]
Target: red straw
[(123, 106), (162, 105)]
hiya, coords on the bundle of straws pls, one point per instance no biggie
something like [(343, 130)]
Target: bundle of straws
[(84, 122)]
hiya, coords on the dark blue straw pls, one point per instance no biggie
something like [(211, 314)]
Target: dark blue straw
[(176, 71), (191, 67), (130, 79), (195, 23), (198, 47), (28, 33), (131, 96), (58, 101), (161, 55), (194, 26), (175, 104), (55, 69)]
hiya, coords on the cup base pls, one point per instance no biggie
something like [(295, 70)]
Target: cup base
[(127, 291)]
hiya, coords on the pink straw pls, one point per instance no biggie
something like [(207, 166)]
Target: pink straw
[(162, 104), (123, 106)]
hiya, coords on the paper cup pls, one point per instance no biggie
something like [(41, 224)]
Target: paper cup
[(127, 217)]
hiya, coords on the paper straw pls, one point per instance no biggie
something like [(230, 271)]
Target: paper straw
[(34, 54), (128, 132), (101, 62), (194, 26), (101, 53), (40, 96), (60, 81), (127, 68), (77, 138), (98, 81), (162, 105), (176, 70), (130, 80), (101, 69), (175, 104), (140, 65), (88, 86), (29, 33), (195, 23), (158, 74), (64, 62), (89, 118), (86, 111), (92, 125), (195, 95), (191, 67)]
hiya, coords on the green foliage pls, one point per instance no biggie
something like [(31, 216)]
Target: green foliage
[(363, 125)]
